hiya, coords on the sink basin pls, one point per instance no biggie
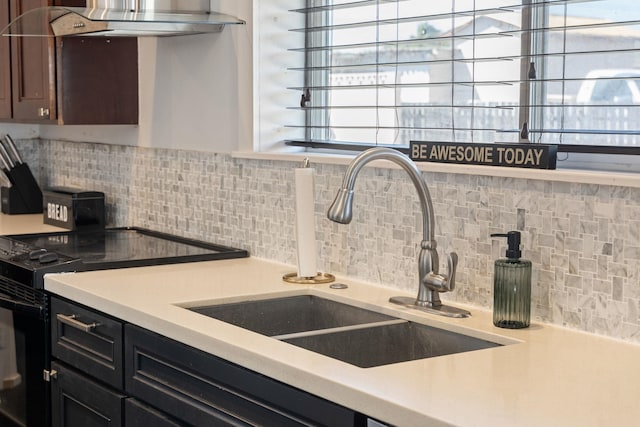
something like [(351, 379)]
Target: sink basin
[(387, 344), (351, 334), (288, 315)]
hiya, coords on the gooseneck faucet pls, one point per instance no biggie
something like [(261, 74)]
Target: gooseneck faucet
[(431, 282)]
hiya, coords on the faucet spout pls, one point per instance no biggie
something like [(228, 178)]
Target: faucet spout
[(431, 282), (341, 208), (341, 211)]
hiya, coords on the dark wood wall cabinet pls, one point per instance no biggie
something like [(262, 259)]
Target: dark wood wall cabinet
[(5, 66), (66, 80), (110, 373)]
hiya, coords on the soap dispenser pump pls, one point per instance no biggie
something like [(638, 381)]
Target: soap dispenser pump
[(512, 286)]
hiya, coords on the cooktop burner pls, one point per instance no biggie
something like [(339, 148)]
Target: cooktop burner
[(33, 255)]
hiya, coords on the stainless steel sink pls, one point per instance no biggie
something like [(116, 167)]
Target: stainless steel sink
[(288, 315), (392, 343), (351, 334)]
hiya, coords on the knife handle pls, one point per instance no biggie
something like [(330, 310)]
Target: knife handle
[(6, 158), (13, 149)]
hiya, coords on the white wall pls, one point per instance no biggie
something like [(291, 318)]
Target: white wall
[(19, 131), (272, 77), (196, 92)]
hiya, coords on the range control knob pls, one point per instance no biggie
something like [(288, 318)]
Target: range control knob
[(36, 254), (48, 257)]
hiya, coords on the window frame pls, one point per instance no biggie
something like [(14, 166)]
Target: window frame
[(525, 116)]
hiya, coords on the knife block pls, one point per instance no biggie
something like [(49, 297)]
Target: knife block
[(24, 196)]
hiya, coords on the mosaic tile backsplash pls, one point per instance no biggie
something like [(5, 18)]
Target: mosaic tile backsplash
[(583, 240)]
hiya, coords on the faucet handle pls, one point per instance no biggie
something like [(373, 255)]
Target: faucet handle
[(452, 265), (440, 282)]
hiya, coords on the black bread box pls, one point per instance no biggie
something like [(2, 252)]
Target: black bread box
[(74, 209)]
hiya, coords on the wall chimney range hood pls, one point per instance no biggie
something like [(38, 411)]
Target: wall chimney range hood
[(129, 18)]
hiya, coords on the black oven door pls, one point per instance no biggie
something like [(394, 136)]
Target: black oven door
[(24, 356)]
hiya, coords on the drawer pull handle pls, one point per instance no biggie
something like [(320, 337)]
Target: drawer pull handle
[(74, 323)]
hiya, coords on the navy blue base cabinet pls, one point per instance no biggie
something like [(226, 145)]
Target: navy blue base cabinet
[(206, 390), (107, 373)]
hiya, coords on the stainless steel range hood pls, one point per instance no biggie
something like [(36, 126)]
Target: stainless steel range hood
[(130, 18)]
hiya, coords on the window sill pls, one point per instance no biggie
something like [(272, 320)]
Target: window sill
[(621, 179)]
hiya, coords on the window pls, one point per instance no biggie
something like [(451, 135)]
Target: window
[(386, 72)]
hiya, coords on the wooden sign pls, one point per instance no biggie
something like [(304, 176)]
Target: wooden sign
[(536, 156)]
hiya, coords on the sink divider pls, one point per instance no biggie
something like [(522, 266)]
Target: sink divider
[(339, 329)]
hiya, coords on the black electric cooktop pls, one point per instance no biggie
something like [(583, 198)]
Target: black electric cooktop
[(30, 256), (125, 245)]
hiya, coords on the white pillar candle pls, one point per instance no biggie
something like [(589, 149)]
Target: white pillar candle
[(305, 222)]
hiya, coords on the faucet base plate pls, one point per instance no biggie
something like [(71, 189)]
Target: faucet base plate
[(442, 310)]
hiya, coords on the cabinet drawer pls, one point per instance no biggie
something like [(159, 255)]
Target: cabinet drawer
[(87, 340), (138, 414)]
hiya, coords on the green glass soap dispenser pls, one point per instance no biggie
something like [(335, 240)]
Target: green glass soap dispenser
[(512, 286)]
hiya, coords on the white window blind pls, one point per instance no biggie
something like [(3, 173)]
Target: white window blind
[(388, 72)]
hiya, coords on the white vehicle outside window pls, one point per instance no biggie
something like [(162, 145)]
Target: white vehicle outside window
[(612, 86)]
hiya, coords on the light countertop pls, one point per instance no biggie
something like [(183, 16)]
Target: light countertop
[(544, 376), (25, 224)]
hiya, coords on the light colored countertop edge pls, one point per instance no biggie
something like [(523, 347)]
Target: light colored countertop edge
[(524, 384), (623, 179), (25, 224)]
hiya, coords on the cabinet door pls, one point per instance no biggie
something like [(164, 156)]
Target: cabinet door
[(5, 66), (33, 70), (97, 80), (77, 401)]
